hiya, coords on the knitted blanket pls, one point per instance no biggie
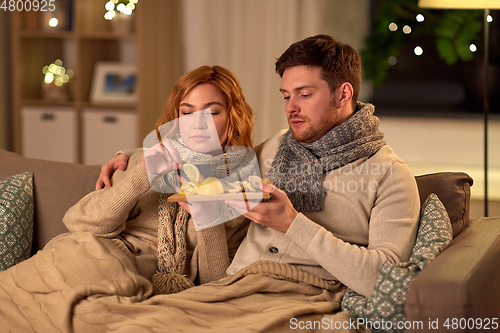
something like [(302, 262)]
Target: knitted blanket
[(81, 283)]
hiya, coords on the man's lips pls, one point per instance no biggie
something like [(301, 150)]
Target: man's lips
[(296, 122)]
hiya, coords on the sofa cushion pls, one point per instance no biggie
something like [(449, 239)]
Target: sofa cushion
[(453, 189), (56, 186), (387, 302), (16, 219)]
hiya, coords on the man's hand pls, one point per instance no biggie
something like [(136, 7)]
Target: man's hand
[(120, 162), (277, 214)]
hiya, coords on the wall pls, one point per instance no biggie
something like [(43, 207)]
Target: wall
[(430, 145)]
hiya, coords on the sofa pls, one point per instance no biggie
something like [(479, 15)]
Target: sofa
[(463, 282)]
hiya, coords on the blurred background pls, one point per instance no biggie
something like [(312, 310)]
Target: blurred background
[(90, 77)]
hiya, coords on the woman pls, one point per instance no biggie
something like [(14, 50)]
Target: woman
[(124, 237), (157, 235)]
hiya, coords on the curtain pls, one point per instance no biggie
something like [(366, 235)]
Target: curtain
[(247, 37)]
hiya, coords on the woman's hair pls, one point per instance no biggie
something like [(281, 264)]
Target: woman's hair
[(240, 124), (339, 62)]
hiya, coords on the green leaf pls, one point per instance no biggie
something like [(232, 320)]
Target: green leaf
[(446, 50), (463, 51)]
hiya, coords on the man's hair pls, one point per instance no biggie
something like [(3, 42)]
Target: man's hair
[(339, 62), (240, 123)]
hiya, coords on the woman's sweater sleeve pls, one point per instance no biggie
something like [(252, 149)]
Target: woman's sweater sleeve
[(104, 212), (213, 257), (217, 246), (392, 228)]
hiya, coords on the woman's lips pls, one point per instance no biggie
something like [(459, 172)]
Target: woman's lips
[(200, 138)]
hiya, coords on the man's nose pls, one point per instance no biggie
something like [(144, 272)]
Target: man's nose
[(291, 106)]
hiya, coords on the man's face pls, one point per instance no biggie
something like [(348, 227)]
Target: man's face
[(309, 104)]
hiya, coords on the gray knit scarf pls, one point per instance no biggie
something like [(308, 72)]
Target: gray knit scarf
[(298, 167)]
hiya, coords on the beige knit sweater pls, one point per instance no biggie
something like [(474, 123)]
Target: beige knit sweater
[(128, 213), (370, 216)]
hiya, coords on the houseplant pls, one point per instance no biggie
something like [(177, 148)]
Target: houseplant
[(397, 21)]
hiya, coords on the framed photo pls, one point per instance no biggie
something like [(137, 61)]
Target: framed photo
[(114, 82)]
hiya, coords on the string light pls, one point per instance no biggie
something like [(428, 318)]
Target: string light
[(420, 18), (418, 51), (125, 7), (53, 22), (393, 26), (56, 73)]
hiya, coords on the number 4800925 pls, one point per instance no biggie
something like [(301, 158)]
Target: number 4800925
[(28, 5)]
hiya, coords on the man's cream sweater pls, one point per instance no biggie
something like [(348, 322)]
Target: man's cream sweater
[(370, 216), (128, 213)]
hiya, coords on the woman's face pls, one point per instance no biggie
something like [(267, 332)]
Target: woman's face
[(203, 118)]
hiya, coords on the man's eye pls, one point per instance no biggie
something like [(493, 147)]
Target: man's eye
[(305, 95), (286, 98)]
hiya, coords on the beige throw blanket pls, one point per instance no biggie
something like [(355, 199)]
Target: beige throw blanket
[(81, 283)]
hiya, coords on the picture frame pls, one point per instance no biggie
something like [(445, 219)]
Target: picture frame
[(114, 82)]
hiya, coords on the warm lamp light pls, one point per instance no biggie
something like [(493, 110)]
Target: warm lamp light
[(460, 4), (474, 4)]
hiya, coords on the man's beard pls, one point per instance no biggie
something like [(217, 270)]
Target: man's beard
[(303, 135), (310, 134)]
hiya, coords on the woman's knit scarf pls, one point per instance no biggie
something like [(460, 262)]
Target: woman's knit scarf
[(298, 167), (236, 162)]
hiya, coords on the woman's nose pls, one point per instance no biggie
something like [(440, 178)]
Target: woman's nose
[(200, 121)]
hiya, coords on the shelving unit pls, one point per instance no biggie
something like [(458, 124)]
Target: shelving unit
[(86, 39)]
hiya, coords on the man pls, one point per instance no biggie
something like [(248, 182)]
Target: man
[(343, 202)]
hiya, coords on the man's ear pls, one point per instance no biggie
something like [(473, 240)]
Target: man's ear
[(344, 93)]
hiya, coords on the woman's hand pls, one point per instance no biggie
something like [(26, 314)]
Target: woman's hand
[(161, 159), (119, 162), (202, 212)]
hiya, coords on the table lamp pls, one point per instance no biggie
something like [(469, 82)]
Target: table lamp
[(474, 4)]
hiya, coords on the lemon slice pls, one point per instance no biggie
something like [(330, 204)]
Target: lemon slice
[(191, 172), (194, 184), (187, 193), (189, 189), (255, 181), (211, 186)]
